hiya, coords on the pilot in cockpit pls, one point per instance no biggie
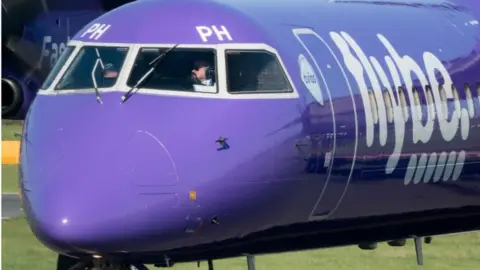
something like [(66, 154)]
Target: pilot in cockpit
[(203, 76), (110, 72)]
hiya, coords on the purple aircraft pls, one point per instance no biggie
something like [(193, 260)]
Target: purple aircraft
[(184, 131)]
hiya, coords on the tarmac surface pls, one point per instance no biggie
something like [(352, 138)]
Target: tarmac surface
[(11, 206)]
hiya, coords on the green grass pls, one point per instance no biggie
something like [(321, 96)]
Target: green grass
[(22, 251), (10, 172), (9, 127), (9, 178)]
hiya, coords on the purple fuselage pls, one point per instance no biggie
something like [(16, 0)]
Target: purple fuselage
[(146, 176)]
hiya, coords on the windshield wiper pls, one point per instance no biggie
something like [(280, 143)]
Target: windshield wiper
[(153, 65), (95, 85), (92, 74), (99, 58)]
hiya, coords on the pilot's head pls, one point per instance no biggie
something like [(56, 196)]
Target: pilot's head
[(110, 72), (200, 69)]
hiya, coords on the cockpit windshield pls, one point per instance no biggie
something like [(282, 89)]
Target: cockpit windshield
[(94, 67), (58, 66), (182, 69)]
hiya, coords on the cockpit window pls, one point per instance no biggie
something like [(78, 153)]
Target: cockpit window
[(181, 69), (58, 66), (104, 63), (255, 71)]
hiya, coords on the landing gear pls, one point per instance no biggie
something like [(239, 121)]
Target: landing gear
[(401, 243), (428, 240), (69, 263), (250, 263), (397, 243), (418, 250), (368, 246)]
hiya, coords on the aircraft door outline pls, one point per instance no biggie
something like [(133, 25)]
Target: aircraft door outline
[(317, 212)]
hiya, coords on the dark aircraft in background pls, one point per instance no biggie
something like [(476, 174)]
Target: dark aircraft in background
[(34, 34), (179, 131)]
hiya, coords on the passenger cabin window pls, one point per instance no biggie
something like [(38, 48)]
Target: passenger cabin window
[(444, 102), (181, 69), (255, 72), (417, 103), (58, 66), (94, 65), (388, 105), (469, 100), (478, 93), (456, 99), (403, 103), (374, 106), (430, 103)]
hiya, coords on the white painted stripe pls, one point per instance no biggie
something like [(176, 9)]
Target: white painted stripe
[(452, 157), (412, 166), (440, 167), (432, 163), (459, 165), (420, 168)]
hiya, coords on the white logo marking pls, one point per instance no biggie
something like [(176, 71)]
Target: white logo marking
[(207, 31), (96, 30), (310, 79), (51, 51), (400, 69)]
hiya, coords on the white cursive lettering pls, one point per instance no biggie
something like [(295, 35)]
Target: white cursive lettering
[(367, 71)]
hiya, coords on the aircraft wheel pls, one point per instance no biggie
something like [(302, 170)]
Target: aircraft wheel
[(397, 243), (428, 240), (368, 246), (69, 263)]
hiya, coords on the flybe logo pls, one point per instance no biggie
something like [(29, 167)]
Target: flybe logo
[(401, 68), (421, 130), (383, 110)]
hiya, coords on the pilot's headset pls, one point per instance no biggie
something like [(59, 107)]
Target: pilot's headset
[(210, 74)]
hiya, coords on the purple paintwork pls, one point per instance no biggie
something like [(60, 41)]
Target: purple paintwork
[(150, 27), (116, 178), (132, 154)]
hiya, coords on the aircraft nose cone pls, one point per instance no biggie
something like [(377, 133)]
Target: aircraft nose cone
[(96, 205), (95, 193)]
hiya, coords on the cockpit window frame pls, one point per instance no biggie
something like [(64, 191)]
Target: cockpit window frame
[(80, 48), (293, 94), (53, 84), (284, 74), (179, 47), (221, 72), (64, 53)]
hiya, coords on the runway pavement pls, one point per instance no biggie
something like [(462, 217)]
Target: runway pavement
[(11, 206)]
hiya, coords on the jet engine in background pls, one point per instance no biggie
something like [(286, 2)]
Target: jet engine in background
[(17, 94), (20, 69)]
